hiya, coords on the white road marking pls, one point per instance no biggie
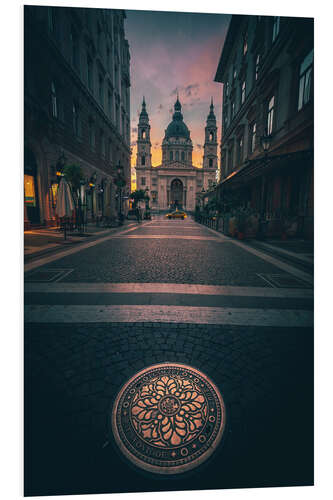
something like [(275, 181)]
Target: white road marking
[(169, 288), (168, 314), (51, 258), (272, 260), (166, 237)]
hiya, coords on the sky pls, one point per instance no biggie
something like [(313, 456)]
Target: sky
[(170, 51)]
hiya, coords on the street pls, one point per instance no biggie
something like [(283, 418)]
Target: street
[(98, 312)]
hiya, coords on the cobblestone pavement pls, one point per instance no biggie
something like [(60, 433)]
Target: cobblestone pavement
[(74, 370)]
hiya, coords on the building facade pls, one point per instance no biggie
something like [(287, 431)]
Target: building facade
[(176, 182), (76, 107), (266, 68)]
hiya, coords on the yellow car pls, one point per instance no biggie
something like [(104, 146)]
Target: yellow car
[(177, 215)]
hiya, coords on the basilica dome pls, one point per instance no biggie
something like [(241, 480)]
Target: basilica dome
[(177, 128)]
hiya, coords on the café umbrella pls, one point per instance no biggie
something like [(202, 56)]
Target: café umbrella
[(65, 204)]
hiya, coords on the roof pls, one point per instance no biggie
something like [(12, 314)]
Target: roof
[(177, 128)]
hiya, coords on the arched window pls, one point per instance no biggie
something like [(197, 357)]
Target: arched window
[(143, 134), (183, 156), (177, 155), (54, 101), (211, 136), (171, 155), (210, 162), (143, 160)]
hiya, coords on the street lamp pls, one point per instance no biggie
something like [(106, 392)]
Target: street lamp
[(147, 213), (121, 183), (61, 162), (265, 142)]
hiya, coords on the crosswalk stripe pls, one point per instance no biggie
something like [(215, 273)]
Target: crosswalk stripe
[(168, 314)]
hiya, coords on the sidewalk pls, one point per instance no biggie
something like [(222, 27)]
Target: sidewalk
[(297, 250), (38, 242)]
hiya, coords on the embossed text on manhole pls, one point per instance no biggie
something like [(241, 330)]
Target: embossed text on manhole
[(168, 418)]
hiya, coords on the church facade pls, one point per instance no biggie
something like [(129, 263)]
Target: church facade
[(176, 182)]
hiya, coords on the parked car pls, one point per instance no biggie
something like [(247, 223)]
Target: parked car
[(178, 214)]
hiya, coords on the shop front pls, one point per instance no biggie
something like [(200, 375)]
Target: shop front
[(31, 202)]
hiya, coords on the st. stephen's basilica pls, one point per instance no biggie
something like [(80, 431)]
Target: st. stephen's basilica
[(176, 182)]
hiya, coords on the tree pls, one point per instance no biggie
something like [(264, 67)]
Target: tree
[(74, 175), (137, 195)]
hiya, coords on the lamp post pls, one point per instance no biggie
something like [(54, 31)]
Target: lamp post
[(120, 182), (147, 213), (265, 142)]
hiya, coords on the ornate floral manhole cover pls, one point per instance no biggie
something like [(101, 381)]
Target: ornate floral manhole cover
[(168, 418)]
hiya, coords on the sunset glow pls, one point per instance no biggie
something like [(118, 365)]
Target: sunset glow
[(173, 52)]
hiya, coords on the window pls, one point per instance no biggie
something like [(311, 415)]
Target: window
[(76, 120), (177, 155), (102, 143), (143, 160), (305, 80), (117, 116), (276, 28), (240, 151), (75, 49), (54, 101), (210, 162), (154, 181), (110, 103), (210, 183), (183, 156), (90, 74), (211, 136), (257, 66), (143, 134), (99, 38), (234, 72), (230, 158), (171, 155), (101, 90), (91, 135), (143, 181), (232, 110), (245, 44), (270, 115), (253, 137), (226, 89), (51, 19), (243, 92)]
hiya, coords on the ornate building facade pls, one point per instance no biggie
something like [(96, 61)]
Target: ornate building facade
[(76, 107), (176, 182)]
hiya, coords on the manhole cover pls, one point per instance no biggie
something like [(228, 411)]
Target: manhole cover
[(168, 418)]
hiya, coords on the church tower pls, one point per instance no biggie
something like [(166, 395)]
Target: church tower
[(210, 147), (143, 157)]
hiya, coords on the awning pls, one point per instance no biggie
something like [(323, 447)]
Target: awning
[(256, 168)]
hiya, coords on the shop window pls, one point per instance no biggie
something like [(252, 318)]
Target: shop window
[(54, 194), (29, 191), (305, 80)]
